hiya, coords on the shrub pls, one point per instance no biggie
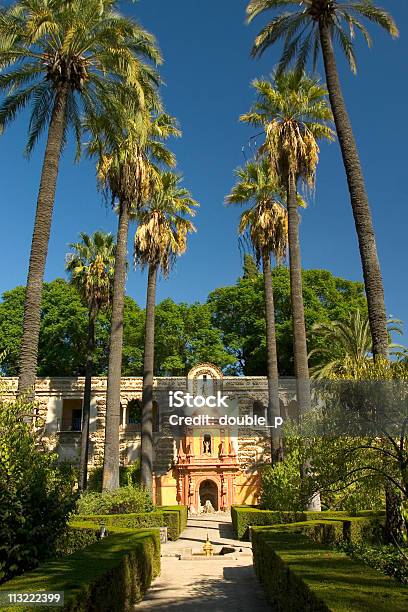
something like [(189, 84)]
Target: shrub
[(128, 475), (282, 487), (365, 493), (120, 501), (298, 574), (36, 495), (112, 574)]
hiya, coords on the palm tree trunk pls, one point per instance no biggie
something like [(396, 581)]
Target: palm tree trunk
[(298, 313), (111, 451), (359, 201), (86, 407), (272, 359), (298, 316), (39, 245), (147, 398)]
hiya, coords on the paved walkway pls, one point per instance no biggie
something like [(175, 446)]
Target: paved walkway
[(188, 583)]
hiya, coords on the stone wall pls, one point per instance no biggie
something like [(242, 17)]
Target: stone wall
[(252, 446)]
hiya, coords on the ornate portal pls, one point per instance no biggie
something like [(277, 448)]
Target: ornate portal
[(207, 462)]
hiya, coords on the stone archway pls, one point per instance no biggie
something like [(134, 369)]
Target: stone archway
[(209, 491)]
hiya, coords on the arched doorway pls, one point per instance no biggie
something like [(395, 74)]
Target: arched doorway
[(209, 491)]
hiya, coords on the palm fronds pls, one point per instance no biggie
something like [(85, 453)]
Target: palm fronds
[(299, 28), (163, 225)]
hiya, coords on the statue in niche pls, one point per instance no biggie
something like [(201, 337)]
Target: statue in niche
[(207, 444)]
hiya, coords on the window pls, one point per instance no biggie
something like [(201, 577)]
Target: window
[(71, 415), (258, 409), (155, 416), (134, 412)]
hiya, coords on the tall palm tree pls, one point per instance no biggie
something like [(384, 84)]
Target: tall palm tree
[(315, 25), (346, 345), (91, 266), (160, 237), (293, 112), (266, 224), (129, 143), (63, 59)]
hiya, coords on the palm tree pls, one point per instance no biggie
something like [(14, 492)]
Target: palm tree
[(314, 25), (266, 223), (90, 267), (161, 236), (294, 114), (346, 345), (63, 59), (126, 143)]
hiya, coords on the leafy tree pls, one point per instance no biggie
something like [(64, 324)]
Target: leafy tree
[(133, 335), (238, 311), (63, 328), (161, 236), (64, 59), (360, 442), (90, 266), (316, 25), (63, 334), (266, 224), (185, 336), (250, 269), (36, 494), (293, 112)]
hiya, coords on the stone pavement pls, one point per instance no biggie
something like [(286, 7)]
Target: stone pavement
[(219, 584)]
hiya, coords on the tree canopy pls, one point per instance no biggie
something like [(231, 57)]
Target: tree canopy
[(228, 330)]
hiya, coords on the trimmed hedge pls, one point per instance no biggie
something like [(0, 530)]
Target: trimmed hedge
[(111, 575), (367, 526), (73, 539), (244, 517), (182, 511), (169, 519), (298, 574), (329, 532)]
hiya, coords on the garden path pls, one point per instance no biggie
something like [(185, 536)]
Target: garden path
[(188, 583)]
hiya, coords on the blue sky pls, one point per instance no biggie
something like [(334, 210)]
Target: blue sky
[(208, 73)]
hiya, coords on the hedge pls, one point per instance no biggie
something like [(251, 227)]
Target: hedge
[(244, 517), (330, 532), (73, 539), (169, 519), (110, 575), (182, 511), (367, 526), (298, 574)]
